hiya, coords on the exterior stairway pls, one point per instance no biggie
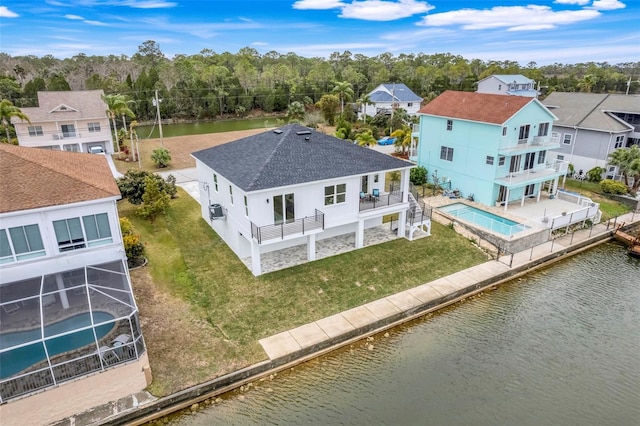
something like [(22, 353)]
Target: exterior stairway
[(418, 215)]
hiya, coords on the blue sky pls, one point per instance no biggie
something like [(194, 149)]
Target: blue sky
[(543, 31)]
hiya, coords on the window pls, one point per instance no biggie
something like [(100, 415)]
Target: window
[(567, 139), (560, 158), (504, 131), (335, 194), (231, 193), (35, 131), (68, 130), (246, 206), (22, 242), (93, 127), (541, 157), (499, 86), (215, 182), (74, 234), (489, 160), (409, 104), (72, 147), (376, 178), (619, 142), (446, 153), (449, 124), (523, 135), (501, 161), (543, 129)]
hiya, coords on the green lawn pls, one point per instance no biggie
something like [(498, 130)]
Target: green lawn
[(610, 208), (222, 303)]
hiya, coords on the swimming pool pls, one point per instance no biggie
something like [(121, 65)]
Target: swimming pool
[(16, 360), (483, 219)]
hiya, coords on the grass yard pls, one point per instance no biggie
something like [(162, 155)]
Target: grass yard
[(610, 208), (203, 312)]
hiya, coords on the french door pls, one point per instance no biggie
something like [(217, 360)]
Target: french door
[(283, 208)]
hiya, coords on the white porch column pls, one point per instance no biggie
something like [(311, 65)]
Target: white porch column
[(402, 223), (404, 184), (360, 234), (256, 267), (63, 294), (554, 190), (311, 247), (539, 192), (522, 201), (506, 201)]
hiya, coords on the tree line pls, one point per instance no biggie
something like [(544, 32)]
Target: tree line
[(209, 84)]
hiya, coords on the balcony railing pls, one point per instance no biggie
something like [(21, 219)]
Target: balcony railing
[(370, 202), (549, 171), (508, 145), (280, 230)]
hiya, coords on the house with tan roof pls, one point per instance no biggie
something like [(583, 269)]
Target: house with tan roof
[(592, 125), (69, 323), (67, 121), (492, 146)]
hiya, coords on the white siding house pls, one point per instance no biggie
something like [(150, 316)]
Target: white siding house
[(294, 186), (508, 84), (68, 319), (391, 96), (66, 121)]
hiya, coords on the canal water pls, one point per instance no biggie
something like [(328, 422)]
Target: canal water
[(558, 347), (184, 129)]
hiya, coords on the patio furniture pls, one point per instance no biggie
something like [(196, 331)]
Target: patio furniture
[(122, 339), (363, 196), (108, 355), (375, 194), (11, 308)]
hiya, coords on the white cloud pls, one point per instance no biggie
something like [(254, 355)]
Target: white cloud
[(510, 17), (150, 4), (6, 13), (578, 2), (96, 23), (259, 43), (318, 4), (608, 4), (74, 17), (369, 10), (379, 10)]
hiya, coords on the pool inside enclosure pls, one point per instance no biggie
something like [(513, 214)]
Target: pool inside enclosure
[(484, 219), (61, 326)]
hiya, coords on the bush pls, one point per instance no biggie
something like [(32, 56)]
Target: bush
[(418, 175), (161, 157), (131, 185), (133, 247), (609, 186), (595, 174)]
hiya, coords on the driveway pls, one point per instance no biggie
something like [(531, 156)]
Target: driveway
[(186, 179)]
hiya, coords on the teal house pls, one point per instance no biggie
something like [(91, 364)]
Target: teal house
[(492, 146)]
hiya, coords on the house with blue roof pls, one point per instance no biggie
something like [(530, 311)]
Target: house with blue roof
[(294, 186), (391, 96), (493, 146), (508, 84)]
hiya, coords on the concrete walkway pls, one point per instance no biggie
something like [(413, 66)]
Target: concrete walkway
[(433, 295)]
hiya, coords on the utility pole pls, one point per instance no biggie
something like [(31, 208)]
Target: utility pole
[(156, 102)]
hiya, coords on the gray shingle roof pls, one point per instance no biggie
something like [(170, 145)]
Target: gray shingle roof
[(284, 157), (400, 91), (590, 110)]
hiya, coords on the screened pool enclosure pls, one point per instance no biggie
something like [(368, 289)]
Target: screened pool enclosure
[(58, 327)]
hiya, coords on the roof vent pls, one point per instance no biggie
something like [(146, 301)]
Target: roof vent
[(277, 131), (303, 132), (306, 138)]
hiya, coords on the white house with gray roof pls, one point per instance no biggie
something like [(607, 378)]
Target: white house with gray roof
[(66, 121), (390, 96), (294, 186), (508, 84), (592, 125)]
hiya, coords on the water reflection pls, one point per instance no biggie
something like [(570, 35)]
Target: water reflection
[(557, 347)]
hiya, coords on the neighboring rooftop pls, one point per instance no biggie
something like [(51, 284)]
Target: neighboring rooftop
[(66, 105), (511, 78), (592, 110), (395, 92), (473, 106), (36, 178), (290, 155)]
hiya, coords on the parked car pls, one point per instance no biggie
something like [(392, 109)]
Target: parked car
[(386, 141), (96, 150)]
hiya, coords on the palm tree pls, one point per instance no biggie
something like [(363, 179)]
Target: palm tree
[(587, 82), (8, 110), (403, 138), (366, 139), (117, 105), (363, 102), (296, 111), (344, 91), (628, 162)]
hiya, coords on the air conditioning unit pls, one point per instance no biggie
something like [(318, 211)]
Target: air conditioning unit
[(216, 212)]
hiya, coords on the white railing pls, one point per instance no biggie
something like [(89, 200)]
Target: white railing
[(509, 144)]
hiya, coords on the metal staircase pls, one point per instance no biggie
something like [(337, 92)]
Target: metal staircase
[(418, 215)]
